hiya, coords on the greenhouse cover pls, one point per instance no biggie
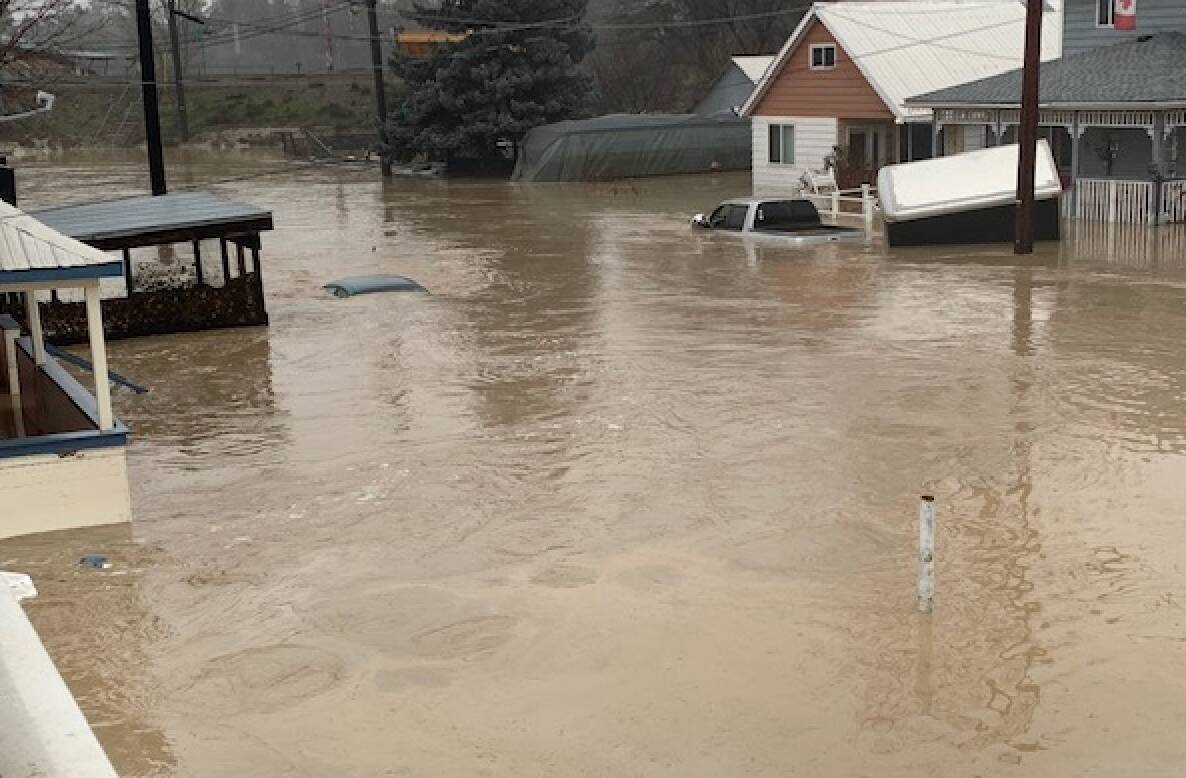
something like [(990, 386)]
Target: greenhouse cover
[(633, 145)]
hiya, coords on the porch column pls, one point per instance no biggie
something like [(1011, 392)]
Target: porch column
[(999, 130), (1075, 132), (33, 313), (14, 381), (1158, 163), (94, 325)]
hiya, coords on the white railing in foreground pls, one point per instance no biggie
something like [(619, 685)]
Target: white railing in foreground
[(42, 730)]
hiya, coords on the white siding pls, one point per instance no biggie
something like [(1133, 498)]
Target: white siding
[(814, 139)]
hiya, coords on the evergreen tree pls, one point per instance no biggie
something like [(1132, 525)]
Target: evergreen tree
[(515, 68)]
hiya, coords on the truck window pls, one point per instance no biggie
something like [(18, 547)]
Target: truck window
[(718, 216), (735, 217), (773, 214)]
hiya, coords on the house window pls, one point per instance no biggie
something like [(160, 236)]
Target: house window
[(782, 144), (823, 56), (1105, 13)]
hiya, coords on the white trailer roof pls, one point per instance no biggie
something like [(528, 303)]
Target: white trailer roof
[(32, 253), (910, 47), (963, 182)]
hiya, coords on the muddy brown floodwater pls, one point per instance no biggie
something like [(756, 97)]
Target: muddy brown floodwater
[(623, 499)]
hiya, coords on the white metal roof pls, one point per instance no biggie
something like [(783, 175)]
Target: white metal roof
[(910, 47), (31, 252), (754, 67)]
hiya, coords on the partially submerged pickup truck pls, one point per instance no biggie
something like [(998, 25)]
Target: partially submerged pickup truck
[(794, 221)]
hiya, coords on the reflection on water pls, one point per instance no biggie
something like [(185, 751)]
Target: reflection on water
[(616, 487)]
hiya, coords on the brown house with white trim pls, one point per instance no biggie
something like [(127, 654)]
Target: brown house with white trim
[(841, 80)]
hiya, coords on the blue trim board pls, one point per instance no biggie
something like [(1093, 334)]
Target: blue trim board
[(41, 275), (63, 442)]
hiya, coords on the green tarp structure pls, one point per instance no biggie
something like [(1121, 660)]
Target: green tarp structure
[(633, 145)]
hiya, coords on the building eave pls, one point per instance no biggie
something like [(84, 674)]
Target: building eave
[(1057, 105), (780, 61)]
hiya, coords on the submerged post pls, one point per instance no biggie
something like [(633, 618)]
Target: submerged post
[(867, 208), (835, 204), (926, 553)]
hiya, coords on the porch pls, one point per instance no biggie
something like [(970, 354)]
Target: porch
[(1117, 166), (62, 451)]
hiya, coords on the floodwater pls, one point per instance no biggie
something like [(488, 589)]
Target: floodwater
[(623, 499)]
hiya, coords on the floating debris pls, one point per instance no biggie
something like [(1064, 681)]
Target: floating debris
[(96, 561)]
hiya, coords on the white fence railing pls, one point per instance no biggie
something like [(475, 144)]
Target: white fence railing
[(862, 204), (1125, 202), (1173, 201), (1112, 200)]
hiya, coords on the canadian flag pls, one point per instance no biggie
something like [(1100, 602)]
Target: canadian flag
[(1126, 15)]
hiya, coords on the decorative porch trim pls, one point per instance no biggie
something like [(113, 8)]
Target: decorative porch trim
[(1058, 118)]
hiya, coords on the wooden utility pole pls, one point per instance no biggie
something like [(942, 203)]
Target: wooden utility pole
[(1027, 130), (152, 115), (327, 33), (380, 94), (175, 41)]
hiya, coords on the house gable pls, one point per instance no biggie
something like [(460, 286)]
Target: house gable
[(798, 90)]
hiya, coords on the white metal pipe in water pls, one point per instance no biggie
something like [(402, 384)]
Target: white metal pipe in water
[(926, 553)]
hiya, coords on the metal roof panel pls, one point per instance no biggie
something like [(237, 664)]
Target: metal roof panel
[(907, 47), (31, 251), (147, 214)]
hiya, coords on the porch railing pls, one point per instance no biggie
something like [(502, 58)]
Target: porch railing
[(1127, 202)]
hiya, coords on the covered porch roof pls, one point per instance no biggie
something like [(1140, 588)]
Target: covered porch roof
[(1142, 74), (146, 220), (35, 256)]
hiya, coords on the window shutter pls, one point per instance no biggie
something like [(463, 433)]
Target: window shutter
[(775, 143)]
